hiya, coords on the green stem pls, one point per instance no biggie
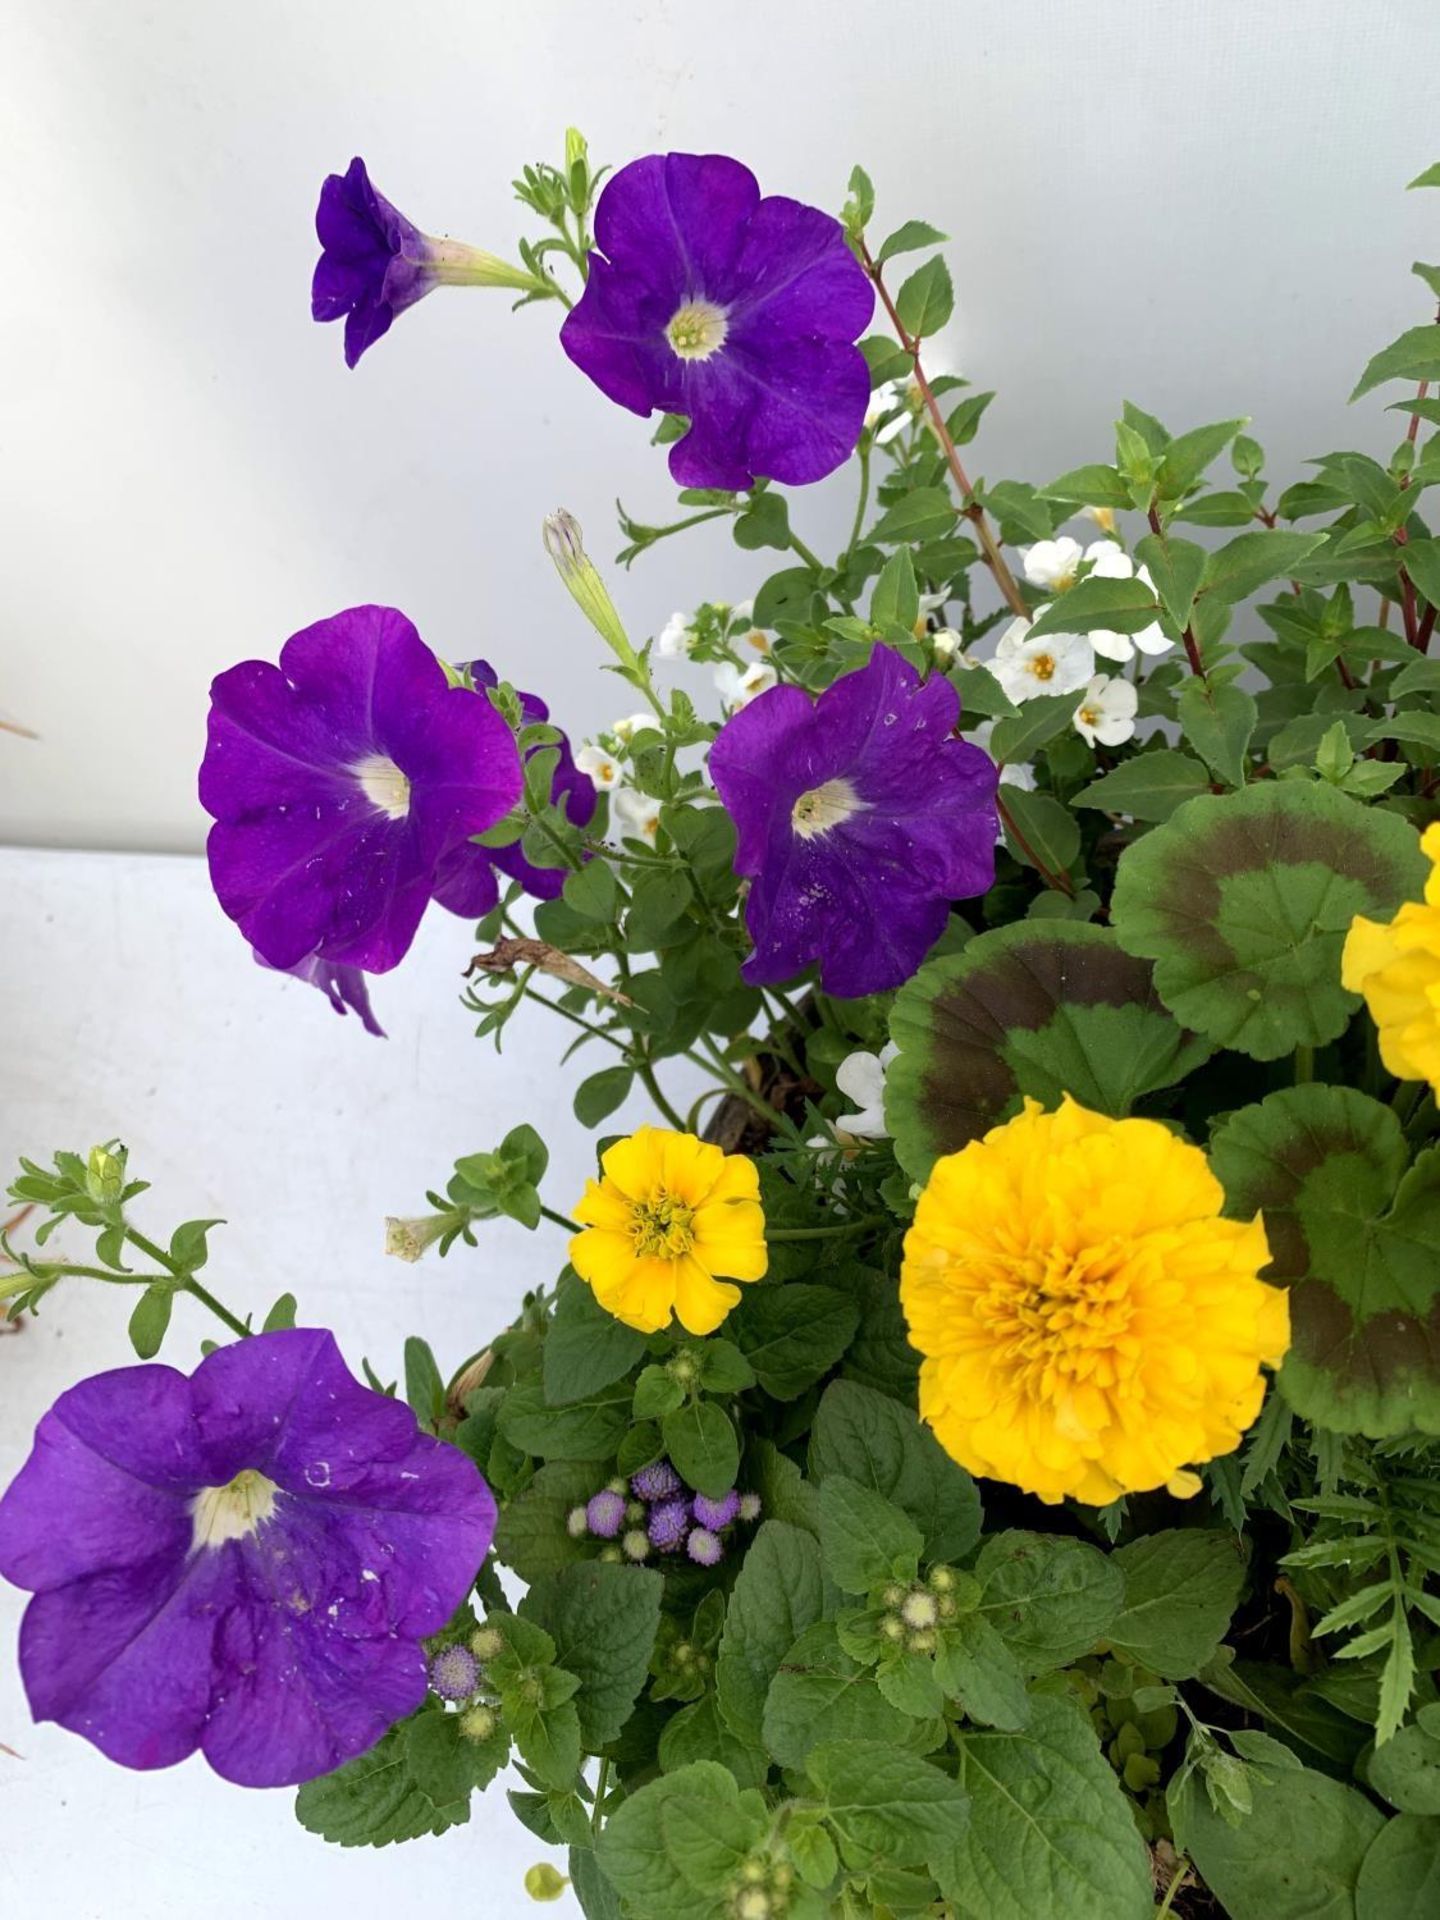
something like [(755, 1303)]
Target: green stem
[(188, 1283), (1304, 1065), (861, 504), (1181, 1873), (1406, 1098), (560, 1219), (602, 1786), (827, 1233), (652, 1086), (207, 1299)]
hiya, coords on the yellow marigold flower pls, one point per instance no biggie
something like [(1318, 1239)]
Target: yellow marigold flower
[(1397, 968), (1090, 1324), (670, 1215)]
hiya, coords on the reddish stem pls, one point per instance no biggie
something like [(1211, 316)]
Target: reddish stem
[(1061, 882)]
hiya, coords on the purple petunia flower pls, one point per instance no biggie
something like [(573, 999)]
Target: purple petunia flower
[(346, 988), (465, 881), (668, 1524), (339, 781), (738, 312), (704, 1547), (375, 263), (716, 1514), (860, 818), (605, 1514), (658, 1481), (245, 1561)]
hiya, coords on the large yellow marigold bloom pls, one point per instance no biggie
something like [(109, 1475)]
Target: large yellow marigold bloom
[(1397, 968), (670, 1215), (1090, 1325)]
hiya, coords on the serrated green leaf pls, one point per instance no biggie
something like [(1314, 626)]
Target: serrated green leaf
[(1034, 1010), (1149, 787), (793, 1335), (777, 1596), (907, 238), (821, 1694), (1181, 1587), (703, 1447), (1050, 1599), (890, 1808), (924, 513), (1176, 566), (864, 1538), (1246, 563), (1112, 606), (530, 1535), (603, 1620), (1188, 455), (1218, 718), (585, 1348), (1243, 904), (873, 1439), (636, 1852), (926, 300), (1414, 356), (978, 1671), (1034, 726), (417, 1781), (587, 1429)]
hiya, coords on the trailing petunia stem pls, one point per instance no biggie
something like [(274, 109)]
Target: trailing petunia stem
[(187, 1281)]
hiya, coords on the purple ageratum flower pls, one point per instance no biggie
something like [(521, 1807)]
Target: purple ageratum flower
[(738, 312), (245, 1561), (669, 1523), (605, 1514), (454, 1673), (859, 819), (375, 263), (345, 988), (716, 1514), (339, 781), (465, 881), (704, 1547), (659, 1481)]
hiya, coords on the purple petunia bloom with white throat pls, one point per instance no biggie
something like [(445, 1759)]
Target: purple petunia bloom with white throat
[(244, 1562), (739, 312), (375, 263), (339, 781), (860, 818)]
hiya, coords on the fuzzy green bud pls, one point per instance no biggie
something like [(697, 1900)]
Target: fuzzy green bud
[(922, 1642), (611, 1555), (919, 1609), (487, 1641), (544, 1882), (478, 1724)]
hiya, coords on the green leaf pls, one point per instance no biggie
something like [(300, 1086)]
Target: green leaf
[(922, 514), (926, 300), (530, 1534), (864, 1538), (1296, 1856), (602, 1619), (1038, 829), (872, 1439), (1034, 1009), (1243, 904), (654, 1870), (777, 1596), (657, 1392), (418, 1780), (1414, 356), (597, 1097), (1150, 787), (1406, 1770), (977, 1669), (908, 238), (1421, 560), (591, 1887), (659, 901), (591, 891), (150, 1319), (821, 1694), (890, 1808), (1188, 455), (585, 1348), (895, 598), (1181, 1587), (1223, 508), (1049, 1598), (1429, 178), (1400, 1874), (700, 1731), (1116, 606), (281, 1315), (703, 1448), (549, 1742), (1218, 718), (1050, 1831), (792, 1335), (1235, 571), (1357, 1238), (424, 1384), (764, 523), (1176, 566), (1034, 726), (1094, 486), (589, 1429)]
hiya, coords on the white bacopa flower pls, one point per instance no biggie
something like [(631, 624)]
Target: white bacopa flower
[(738, 689), (676, 637), (598, 767), (861, 1078), (882, 400), (1026, 667), (742, 613), (1102, 517), (625, 730), (633, 815), (949, 648), (1106, 711), (1052, 563)]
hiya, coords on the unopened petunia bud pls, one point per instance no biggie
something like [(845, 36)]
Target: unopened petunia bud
[(105, 1173), (565, 545)]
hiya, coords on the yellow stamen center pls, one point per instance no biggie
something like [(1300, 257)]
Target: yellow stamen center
[(1042, 666), (660, 1227), (383, 785), (697, 330), (1089, 716), (232, 1511), (822, 808)]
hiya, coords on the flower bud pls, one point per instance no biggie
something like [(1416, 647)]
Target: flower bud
[(566, 547), (478, 1724), (105, 1174), (544, 1882), (408, 1239), (486, 1642)]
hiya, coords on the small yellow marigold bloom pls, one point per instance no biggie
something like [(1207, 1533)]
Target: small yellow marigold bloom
[(1090, 1324), (1397, 968), (670, 1216)]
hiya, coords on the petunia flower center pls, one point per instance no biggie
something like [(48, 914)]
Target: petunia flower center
[(824, 808), (697, 330), (660, 1227), (233, 1511), (383, 785)]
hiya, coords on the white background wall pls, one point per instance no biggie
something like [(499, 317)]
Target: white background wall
[(1197, 204)]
